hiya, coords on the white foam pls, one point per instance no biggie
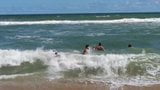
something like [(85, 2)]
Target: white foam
[(25, 37), (13, 76), (16, 57), (71, 61), (96, 34), (124, 20), (65, 61)]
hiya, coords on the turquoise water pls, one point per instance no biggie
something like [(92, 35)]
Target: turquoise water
[(31, 38), (74, 36)]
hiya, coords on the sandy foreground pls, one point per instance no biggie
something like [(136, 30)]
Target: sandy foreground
[(62, 84)]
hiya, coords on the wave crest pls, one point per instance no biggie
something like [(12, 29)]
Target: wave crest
[(124, 20), (77, 65)]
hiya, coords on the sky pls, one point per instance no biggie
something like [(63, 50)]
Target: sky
[(77, 6)]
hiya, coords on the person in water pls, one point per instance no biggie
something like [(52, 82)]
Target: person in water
[(99, 47), (86, 50), (129, 45), (56, 54)]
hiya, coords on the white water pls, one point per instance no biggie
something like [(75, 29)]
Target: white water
[(125, 20), (110, 63), (13, 76)]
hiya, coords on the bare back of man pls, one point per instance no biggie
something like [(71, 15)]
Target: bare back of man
[(99, 47)]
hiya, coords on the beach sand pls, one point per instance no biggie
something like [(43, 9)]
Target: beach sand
[(63, 84)]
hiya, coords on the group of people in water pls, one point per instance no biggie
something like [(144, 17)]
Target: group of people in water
[(86, 50), (99, 47)]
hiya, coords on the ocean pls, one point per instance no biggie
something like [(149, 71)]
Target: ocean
[(28, 44)]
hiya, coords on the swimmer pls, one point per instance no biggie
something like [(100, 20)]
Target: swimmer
[(86, 50), (56, 54), (129, 45), (99, 47)]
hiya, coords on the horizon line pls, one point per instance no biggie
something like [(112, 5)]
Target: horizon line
[(80, 13)]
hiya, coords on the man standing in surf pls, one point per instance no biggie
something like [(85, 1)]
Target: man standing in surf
[(99, 47)]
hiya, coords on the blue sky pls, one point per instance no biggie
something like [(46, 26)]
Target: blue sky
[(77, 6)]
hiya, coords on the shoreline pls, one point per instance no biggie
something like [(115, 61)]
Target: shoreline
[(34, 83)]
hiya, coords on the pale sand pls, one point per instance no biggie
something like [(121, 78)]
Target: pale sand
[(61, 84)]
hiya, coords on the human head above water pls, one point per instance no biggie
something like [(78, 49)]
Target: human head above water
[(56, 53), (129, 45), (99, 44), (87, 46)]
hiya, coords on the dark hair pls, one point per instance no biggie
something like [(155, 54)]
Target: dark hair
[(87, 46), (99, 44), (129, 45)]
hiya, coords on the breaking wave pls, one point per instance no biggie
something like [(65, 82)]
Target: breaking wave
[(124, 20), (68, 64)]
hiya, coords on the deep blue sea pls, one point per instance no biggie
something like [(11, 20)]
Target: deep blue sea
[(28, 44)]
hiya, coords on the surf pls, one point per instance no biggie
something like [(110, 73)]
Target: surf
[(74, 65), (52, 22)]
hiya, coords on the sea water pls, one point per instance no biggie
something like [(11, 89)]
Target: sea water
[(28, 44)]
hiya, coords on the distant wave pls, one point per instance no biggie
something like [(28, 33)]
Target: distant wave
[(124, 20), (103, 16)]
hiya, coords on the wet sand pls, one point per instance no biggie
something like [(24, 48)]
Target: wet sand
[(53, 85), (148, 87), (62, 84)]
